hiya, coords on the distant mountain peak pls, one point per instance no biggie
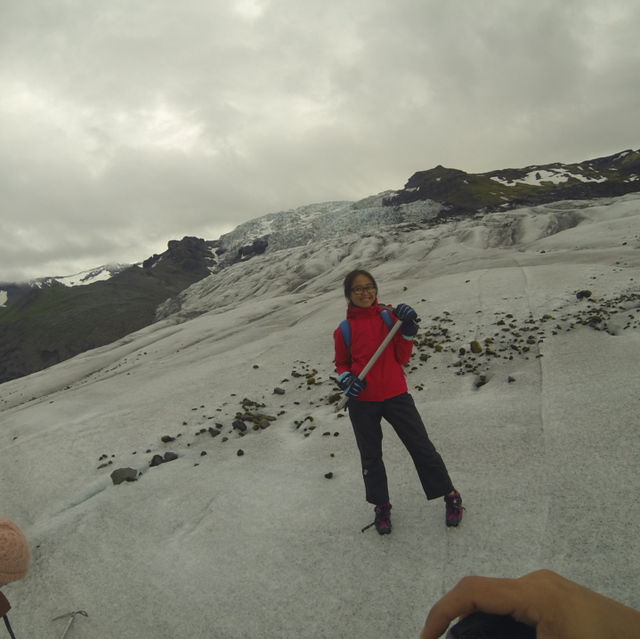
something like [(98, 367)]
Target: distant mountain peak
[(97, 274), (460, 192)]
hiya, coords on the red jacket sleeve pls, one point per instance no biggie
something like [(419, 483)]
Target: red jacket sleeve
[(402, 346)]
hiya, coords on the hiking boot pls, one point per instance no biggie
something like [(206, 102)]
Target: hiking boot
[(382, 521), (454, 508)]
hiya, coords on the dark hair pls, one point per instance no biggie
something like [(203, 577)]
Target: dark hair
[(348, 281)]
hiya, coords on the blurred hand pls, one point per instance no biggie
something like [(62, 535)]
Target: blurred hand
[(556, 607)]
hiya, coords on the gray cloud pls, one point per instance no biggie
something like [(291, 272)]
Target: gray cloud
[(124, 126)]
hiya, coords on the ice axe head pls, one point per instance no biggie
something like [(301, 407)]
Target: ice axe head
[(72, 616)]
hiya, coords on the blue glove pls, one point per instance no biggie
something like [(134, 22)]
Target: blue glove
[(351, 385), (405, 312), (408, 318)]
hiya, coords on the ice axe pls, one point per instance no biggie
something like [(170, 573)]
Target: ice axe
[(72, 616), (385, 342)]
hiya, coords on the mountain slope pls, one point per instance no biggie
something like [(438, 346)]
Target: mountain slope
[(51, 322), (267, 543)]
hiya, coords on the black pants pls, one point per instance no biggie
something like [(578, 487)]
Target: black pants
[(401, 413)]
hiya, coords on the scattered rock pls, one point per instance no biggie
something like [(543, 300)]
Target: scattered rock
[(124, 474), (239, 425), (156, 460), (481, 380), (263, 423)]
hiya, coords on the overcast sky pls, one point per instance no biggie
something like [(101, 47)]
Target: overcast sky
[(125, 124)]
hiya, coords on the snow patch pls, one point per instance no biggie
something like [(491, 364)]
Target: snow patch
[(537, 177), (99, 274)]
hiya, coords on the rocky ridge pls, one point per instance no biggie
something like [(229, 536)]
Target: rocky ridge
[(461, 193)]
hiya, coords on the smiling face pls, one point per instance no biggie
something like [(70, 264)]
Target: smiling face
[(363, 291)]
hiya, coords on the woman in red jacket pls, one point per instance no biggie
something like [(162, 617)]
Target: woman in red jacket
[(384, 394)]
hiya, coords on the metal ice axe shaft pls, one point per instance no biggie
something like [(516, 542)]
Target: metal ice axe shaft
[(72, 616), (385, 342)]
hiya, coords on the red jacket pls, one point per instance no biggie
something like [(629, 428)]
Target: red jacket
[(368, 329)]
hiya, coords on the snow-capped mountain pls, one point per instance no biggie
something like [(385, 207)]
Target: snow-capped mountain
[(55, 318), (98, 274)]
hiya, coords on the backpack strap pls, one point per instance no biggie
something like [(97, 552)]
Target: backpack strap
[(345, 327), (386, 316)]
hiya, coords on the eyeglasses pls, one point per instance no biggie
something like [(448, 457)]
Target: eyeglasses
[(359, 290)]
